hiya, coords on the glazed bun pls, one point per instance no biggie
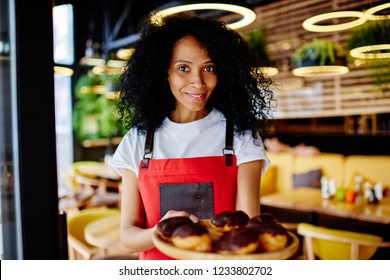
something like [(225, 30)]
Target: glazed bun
[(261, 219), (272, 237), (227, 233), (228, 220), (239, 241), (192, 236), (166, 227)]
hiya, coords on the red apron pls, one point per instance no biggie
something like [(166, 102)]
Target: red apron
[(216, 176)]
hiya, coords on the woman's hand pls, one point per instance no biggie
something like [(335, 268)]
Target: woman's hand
[(174, 213)]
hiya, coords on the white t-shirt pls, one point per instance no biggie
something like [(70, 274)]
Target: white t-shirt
[(204, 137)]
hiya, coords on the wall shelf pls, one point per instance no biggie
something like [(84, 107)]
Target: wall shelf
[(94, 143), (358, 134)]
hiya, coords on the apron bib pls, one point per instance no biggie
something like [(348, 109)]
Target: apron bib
[(202, 186)]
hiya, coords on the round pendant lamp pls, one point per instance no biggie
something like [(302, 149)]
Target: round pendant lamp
[(311, 24), (370, 40), (246, 15), (371, 13), (381, 51), (63, 71), (320, 71), (125, 53), (270, 71)]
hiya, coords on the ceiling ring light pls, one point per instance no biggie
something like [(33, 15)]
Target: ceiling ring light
[(125, 54), (266, 70), (370, 13), (63, 71), (320, 71), (365, 52), (310, 23), (248, 16), (270, 71)]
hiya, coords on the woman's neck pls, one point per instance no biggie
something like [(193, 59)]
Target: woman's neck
[(180, 116)]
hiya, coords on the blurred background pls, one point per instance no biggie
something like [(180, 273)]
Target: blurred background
[(51, 119)]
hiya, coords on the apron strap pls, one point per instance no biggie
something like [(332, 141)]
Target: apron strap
[(148, 152), (228, 151)]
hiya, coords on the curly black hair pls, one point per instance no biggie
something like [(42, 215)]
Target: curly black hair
[(242, 94)]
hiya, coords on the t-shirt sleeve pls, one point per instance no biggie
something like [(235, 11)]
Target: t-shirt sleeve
[(129, 152), (249, 149)]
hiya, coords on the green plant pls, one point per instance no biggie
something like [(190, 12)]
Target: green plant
[(256, 42), (95, 115), (373, 32), (322, 51)]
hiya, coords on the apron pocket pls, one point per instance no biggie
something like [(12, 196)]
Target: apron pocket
[(195, 198)]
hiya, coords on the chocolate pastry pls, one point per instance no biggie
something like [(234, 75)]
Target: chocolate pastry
[(238, 241), (261, 219), (272, 237), (166, 227), (228, 220), (192, 237)]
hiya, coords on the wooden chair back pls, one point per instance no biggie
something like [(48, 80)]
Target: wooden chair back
[(79, 248), (332, 244)]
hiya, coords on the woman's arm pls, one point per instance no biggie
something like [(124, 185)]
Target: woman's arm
[(133, 234), (248, 187)]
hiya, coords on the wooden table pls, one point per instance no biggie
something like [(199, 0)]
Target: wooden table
[(99, 170), (97, 174), (104, 233), (310, 200)]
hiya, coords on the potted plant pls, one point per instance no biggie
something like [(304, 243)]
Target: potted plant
[(94, 115), (372, 32), (320, 57), (319, 52), (370, 43), (256, 43)]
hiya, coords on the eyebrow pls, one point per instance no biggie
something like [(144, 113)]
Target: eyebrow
[(190, 62)]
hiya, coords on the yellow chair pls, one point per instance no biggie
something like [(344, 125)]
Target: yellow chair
[(79, 248), (333, 244)]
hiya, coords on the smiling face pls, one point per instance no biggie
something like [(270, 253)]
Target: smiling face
[(192, 79)]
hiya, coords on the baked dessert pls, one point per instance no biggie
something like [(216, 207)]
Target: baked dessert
[(166, 227), (228, 220), (192, 236), (261, 219), (239, 241), (232, 233), (272, 237)]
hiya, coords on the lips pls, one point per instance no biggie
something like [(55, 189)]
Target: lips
[(196, 96)]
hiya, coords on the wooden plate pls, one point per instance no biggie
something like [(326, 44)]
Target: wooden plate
[(182, 254)]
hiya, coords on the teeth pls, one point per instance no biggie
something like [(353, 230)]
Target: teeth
[(195, 95)]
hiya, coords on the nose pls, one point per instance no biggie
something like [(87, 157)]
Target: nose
[(197, 79)]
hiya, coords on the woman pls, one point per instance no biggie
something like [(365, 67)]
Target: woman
[(195, 108)]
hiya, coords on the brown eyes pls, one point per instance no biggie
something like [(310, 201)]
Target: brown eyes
[(183, 68), (205, 69), (209, 68)]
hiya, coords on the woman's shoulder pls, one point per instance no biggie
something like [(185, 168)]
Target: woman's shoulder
[(134, 132), (239, 137), (133, 137)]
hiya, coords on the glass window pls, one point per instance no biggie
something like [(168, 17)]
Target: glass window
[(10, 237), (64, 135), (63, 54), (63, 34)]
